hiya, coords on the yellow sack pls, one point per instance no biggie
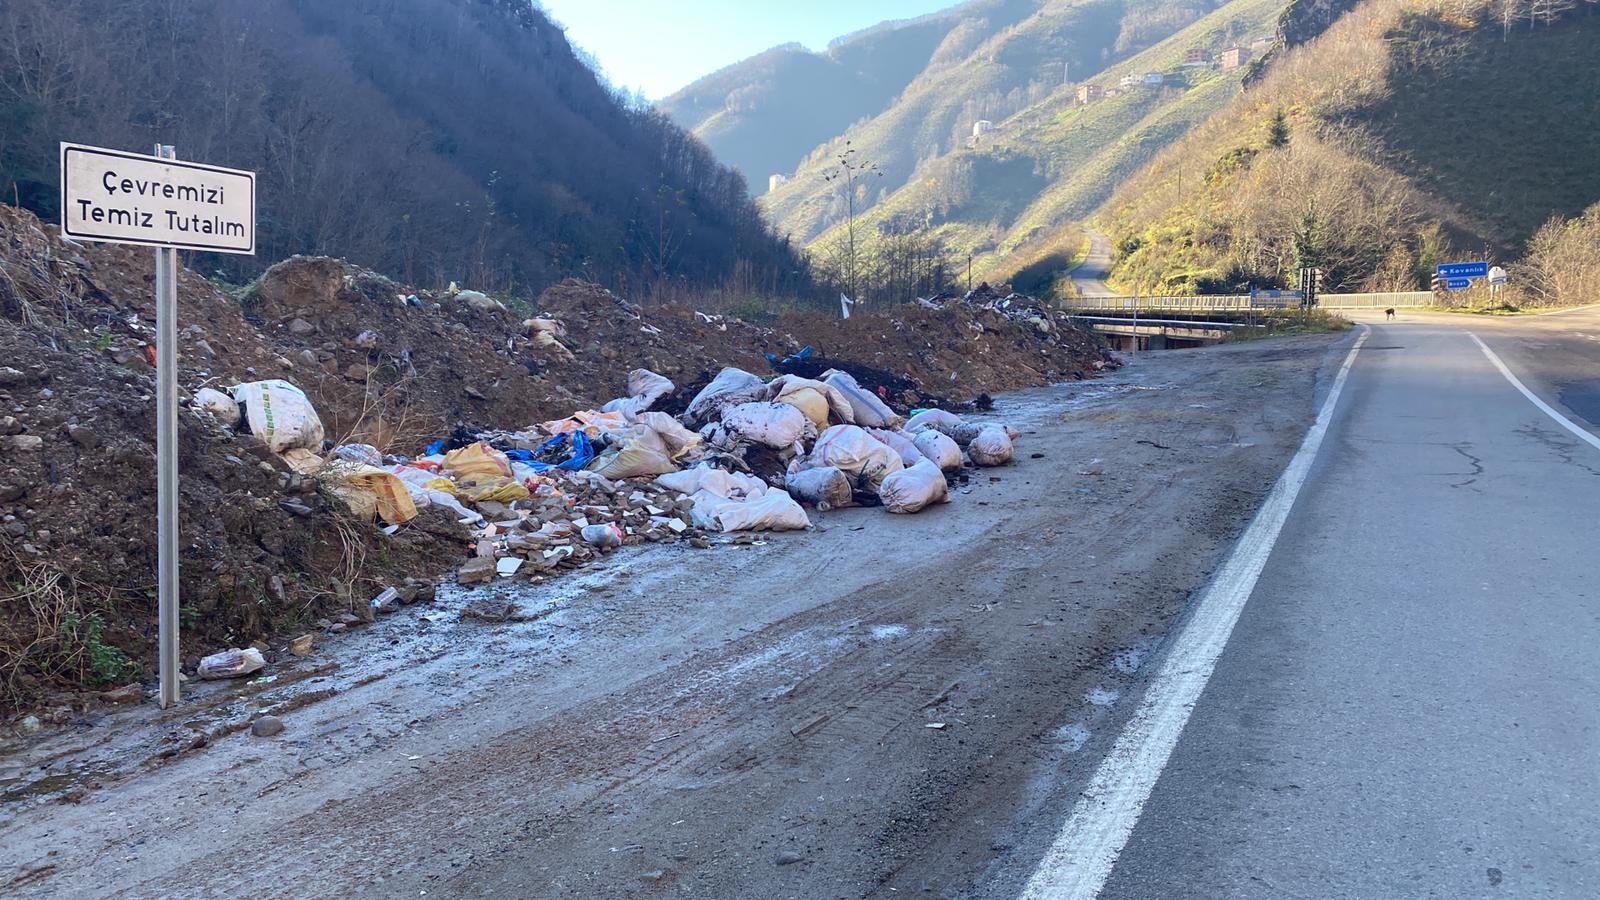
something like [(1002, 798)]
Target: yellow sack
[(476, 460), (494, 487), (810, 402), (445, 485), (370, 488)]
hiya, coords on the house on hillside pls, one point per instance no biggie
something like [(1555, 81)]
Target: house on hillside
[(982, 127), (776, 181), (1234, 58), (1197, 56), (1154, 79), (1262, 44), (1091, 93), (1129, 80)]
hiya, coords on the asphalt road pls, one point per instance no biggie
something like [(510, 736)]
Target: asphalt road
[(1407, 706), (1089, 276)]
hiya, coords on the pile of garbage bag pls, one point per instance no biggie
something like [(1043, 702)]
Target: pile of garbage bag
[(746, 455)]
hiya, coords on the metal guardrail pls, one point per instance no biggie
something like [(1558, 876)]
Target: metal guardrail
[(1245, 303), (1376, 301)]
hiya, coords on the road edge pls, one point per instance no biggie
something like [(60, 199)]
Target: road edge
[(1082, 856)]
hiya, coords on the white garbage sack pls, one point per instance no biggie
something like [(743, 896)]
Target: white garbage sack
[(928, 418), (673, 436), (279, 414), (365, 454), (218, 404), (731, 501), (775, 425), (773, 511), (730, 388), (416, 482), (939, 448), (911, 490), (900, 443), (822, 403), (231, 663), (825, 488), (991, 447), (644, 389), (962, 434), (865, 406), (863, 459)]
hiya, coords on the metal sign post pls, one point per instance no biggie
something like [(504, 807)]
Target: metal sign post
[(167, 458), (126, 198)]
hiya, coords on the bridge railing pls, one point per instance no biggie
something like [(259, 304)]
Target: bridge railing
[(1244, 302), (1217, 303), (1382, 300)]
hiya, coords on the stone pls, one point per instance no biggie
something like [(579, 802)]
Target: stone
[(11, 376), (338, 628), (21, 443), (358, 371), (205, 350), (478, 568), (366, 613), (301, 328), (308, 357), (295, 508), (348, 619), (83, 436), (10, 492), (277, 590), (128, 693), (787, 858), (266, 726), (301, 646), (29, 724), (10, 425)]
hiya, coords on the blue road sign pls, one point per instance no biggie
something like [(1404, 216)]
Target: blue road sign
[(1457, 284), (1463, 270)]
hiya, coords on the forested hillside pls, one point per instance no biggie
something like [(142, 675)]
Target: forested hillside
[(1406, 133), (433, 139), (764, 114)]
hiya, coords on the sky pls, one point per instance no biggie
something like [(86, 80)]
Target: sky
[(658, 46)]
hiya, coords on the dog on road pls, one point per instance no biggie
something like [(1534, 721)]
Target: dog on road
[(1388, 313)]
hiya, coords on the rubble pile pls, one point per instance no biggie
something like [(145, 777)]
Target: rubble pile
[(277, 528)]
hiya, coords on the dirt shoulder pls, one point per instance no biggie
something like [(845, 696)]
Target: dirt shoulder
[(894, 702)]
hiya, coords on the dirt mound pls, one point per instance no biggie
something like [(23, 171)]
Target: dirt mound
[(384, 364)]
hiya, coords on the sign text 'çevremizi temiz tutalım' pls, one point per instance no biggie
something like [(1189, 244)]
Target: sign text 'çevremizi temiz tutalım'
[(128, 198)]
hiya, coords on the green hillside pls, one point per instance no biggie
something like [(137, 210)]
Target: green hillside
[(1004, 198), (1403, 134), (764, 114), (1021, 66)]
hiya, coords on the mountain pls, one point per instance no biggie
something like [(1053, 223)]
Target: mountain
[(1006, 199), (995, 74), (435, 139), (764, 114), (1401, 135)]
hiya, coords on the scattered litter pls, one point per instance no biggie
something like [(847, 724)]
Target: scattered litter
[(233, 663)]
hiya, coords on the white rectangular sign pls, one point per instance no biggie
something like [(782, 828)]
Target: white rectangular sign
[(129, 198)]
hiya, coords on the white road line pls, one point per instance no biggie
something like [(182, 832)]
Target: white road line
[(1563, 421), (1080, 860)]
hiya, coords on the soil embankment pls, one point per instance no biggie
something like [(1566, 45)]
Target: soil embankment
[(266, 550)]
